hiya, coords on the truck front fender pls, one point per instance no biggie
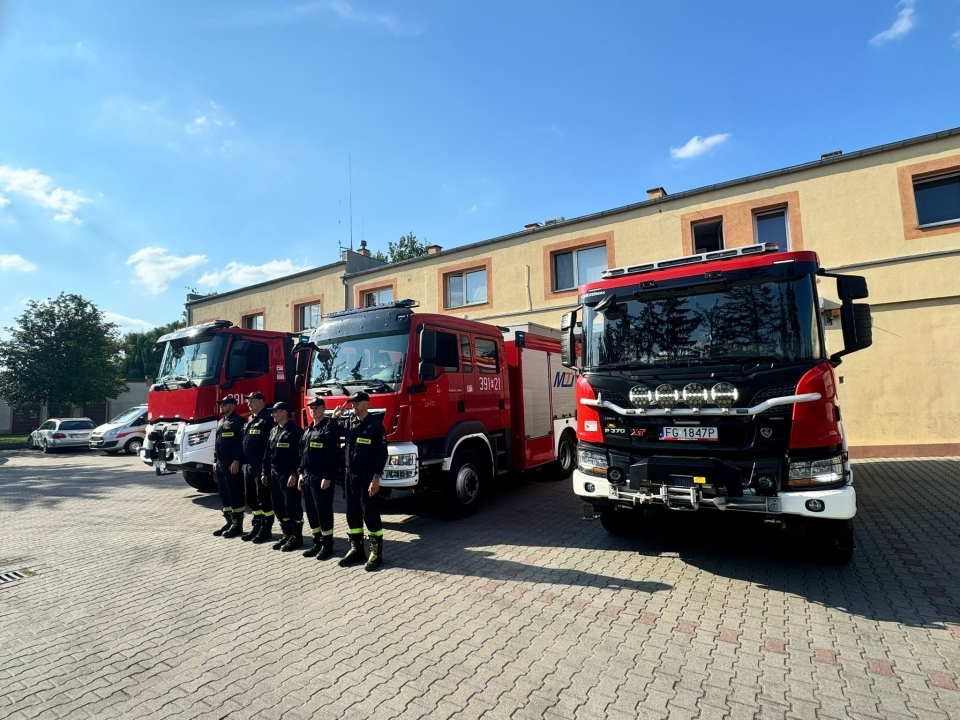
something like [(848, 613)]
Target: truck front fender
[(460, 433)]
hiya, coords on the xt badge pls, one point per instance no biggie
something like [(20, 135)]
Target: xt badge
[(766, 432), (638, 432)]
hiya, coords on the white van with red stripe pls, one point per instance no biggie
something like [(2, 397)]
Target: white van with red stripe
[(125, 432)]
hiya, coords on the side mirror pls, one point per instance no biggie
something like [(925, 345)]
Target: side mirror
[(568, 343), (852, 287), (237, 367), (427, 371), (300, 380), (857, 326), (428, 346)]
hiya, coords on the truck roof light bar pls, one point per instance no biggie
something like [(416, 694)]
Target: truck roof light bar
[(192, 331), (759, 249), (399, 304)]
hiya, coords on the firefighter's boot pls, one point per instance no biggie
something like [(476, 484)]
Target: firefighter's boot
[(228, 516), (326, 548), (315, 550), (286, 532), (265, 533), (254, 528), (295, 540), (355, 553), (236, 529), (376, 553)]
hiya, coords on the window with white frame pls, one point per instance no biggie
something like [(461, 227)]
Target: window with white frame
[(938, 199), (707, 236), (308, 316), (771, 227), (577, 267), (253, 322), (467, 288), (382, 296)]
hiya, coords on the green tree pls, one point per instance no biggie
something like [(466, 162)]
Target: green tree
[(61, 351), (140, 360), (406, 248)]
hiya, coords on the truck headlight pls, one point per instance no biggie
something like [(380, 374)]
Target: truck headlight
[(592, 462), (810, 473), (402, 459), (198, 438)]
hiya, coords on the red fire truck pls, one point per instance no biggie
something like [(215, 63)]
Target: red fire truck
[(461, 401), (200, 365), (704, 381)]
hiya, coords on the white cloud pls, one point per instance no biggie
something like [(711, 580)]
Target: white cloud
[(40, 190), (239, 274), (155, 267), (341, 9), (956, 40), (127, 324), (15, 263), (901, 26), (695, 146)]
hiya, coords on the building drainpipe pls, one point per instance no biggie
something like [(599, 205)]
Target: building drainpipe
[(346, 292)]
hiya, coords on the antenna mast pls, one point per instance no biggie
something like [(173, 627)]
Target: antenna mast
[(350, 166)]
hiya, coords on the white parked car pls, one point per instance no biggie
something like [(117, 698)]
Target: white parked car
[(125, 432), (58, 433)]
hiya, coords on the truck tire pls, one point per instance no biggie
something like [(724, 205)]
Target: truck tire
[(133, 446), (200, 481), (464, 484), (566, 455), (621, 521), (836, 540)]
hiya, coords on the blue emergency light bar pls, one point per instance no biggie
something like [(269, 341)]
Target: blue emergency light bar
[(404, 304), (759, 249)]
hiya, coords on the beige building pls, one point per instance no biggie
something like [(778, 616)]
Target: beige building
[(889, 213)]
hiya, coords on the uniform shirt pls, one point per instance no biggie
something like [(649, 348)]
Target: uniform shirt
[(282, 455), (228, 442), (366, 446), (320, 449), (256, 433)]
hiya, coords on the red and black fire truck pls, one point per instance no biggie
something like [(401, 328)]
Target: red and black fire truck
[(704, 382), (200, 365), (461, 401)]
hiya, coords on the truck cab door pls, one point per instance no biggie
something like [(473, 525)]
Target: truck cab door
[(446, 389), (249, 368), (489, 401)]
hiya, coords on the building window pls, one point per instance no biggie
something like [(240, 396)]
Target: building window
[(771, 227), (487, 361), (468, 288), (382, 296), (708, 237), (253, 322), (308, 316), (938, 200), (578, 267)]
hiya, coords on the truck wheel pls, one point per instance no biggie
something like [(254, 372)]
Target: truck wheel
[(133, 446), (621, 521), (464, 484), (566, 456), (836, 540), (200, 481)]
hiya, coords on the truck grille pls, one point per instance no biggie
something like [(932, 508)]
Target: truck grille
[(772, 392)]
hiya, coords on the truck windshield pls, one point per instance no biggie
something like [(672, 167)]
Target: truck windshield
[(773, 321), (193, 359), (359, 358)]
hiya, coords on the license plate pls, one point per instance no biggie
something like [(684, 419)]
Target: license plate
[(695, 434), (160, 464), (81, 435)]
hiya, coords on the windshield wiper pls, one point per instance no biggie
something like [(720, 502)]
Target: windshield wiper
[(624, 364), (383, 386), (339, 384)]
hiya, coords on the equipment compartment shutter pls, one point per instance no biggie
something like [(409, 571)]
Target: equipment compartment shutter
[(536, 393), (564, 395)]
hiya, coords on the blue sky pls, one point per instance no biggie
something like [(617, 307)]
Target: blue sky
[(147, 148)]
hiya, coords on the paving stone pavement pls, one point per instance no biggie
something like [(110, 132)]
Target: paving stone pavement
[(523, 611)]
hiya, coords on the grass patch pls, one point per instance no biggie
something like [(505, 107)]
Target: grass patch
[(13, 440)]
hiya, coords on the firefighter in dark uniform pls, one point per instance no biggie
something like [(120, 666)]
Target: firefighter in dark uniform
[(319, 462), (366, 455), (280, 463), (227, 458), (256, 432)]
